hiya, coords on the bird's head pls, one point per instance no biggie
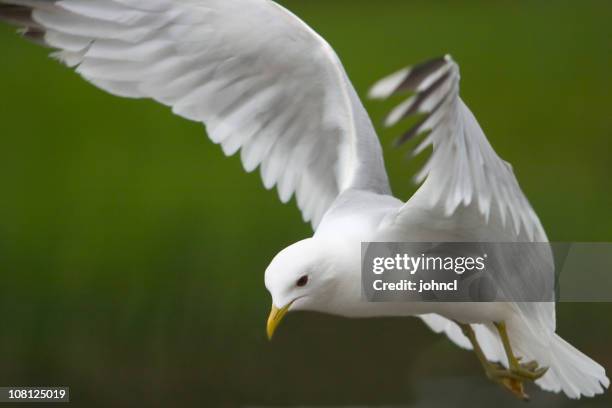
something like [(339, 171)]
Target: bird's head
[(299, 278)]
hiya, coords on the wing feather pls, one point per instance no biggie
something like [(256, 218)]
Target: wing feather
[(263, 83), (464, 172), (463, 169)]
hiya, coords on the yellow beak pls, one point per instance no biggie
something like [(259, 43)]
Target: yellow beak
[(276, 316)]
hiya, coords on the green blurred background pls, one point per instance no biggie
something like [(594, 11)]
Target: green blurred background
[(132, 252)]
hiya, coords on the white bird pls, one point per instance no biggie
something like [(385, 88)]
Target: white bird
[(267, 85)]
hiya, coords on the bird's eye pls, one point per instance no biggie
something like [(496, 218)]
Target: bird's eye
[(302, 281)]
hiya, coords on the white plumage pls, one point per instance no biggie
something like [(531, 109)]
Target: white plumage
[(239, 67), (269, 87)]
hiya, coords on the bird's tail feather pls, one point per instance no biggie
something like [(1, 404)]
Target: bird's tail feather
[(570, 370)]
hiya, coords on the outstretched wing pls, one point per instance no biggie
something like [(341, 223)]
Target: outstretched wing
[(463, 169), (261, 81)]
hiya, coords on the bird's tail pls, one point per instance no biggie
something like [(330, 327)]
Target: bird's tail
[(569, 370)]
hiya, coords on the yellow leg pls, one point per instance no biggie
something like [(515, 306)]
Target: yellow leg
[(529, 371), (495, 372)]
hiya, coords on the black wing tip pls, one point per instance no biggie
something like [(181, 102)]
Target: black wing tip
[(413, 82), (35, 36), (419, 72), (423, 95), (21, 16), (414, 131), (17, 15)]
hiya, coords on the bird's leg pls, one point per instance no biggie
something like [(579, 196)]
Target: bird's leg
[(530, 371), (495, 372)]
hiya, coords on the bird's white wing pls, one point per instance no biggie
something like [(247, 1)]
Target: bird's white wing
[(260, 79), (463, 170)]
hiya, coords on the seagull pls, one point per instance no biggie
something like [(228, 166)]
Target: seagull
[(268, 87)]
